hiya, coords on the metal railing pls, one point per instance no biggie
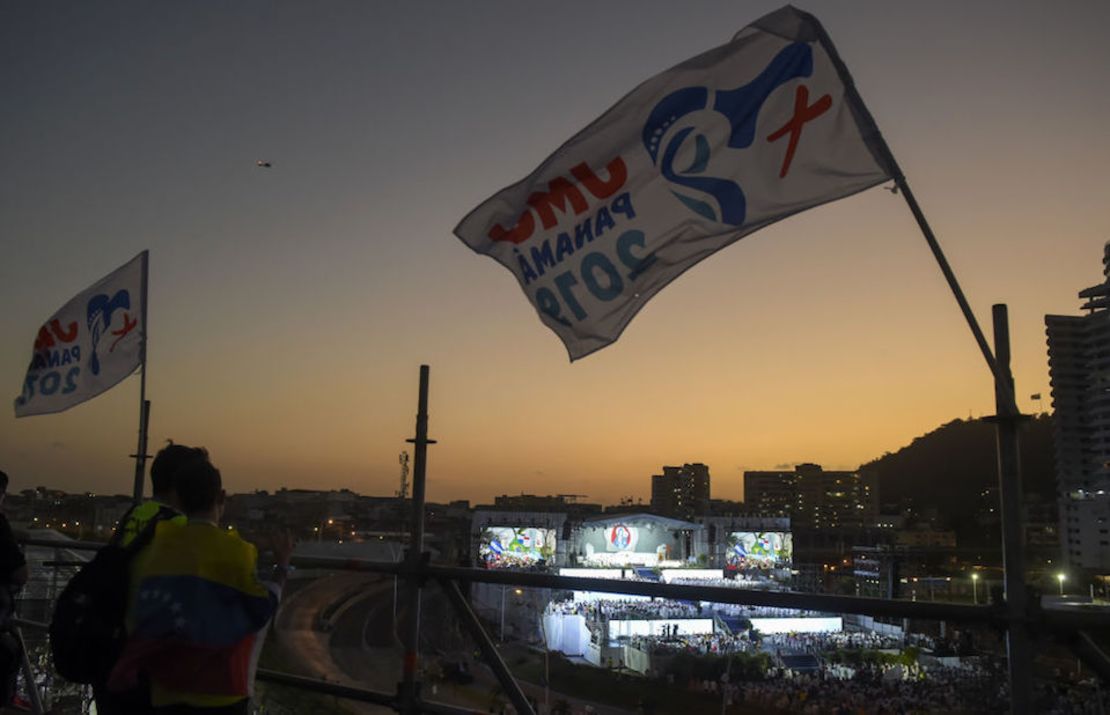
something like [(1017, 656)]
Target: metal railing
[(417, 572), (1072, 625)]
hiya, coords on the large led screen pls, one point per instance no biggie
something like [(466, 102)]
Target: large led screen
[(516, 547), (767, 626), (627, 544), (759, 549)]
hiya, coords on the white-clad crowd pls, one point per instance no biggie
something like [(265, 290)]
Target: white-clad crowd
[(629, 609)]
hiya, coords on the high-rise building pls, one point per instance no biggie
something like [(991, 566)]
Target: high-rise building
[(770, 493), (1079, 368), (681, 492), (814, 498)]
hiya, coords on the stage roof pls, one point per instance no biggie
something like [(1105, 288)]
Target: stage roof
[(643, 518)]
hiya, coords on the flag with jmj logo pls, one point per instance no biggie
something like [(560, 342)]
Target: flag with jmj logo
[(94, 341), (690, 161)]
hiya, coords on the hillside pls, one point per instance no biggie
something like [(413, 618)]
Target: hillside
[(949, 468)]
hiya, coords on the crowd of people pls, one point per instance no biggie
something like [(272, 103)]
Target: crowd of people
[(604, 609), (874, 690), (754, 582), (817, 643), (628, 609), (512, 560), (745, 611), (182, 557), (724, 642), (721, 643)]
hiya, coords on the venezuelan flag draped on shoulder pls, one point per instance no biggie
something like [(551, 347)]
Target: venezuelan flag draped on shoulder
[(690, 161), (197, 605)]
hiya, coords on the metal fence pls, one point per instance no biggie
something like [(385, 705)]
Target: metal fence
[(416, 571)]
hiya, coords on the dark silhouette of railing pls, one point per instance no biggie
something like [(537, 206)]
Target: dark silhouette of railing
[(417, 572)]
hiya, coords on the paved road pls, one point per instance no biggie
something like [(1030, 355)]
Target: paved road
[(309, 647), (361, 648)]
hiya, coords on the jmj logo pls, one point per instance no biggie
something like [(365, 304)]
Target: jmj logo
[(680, 126), (99, 316), (620, 537)]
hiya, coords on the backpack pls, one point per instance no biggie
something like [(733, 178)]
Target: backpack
[(87, 632)]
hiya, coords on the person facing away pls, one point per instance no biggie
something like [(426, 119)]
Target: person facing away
[(197, 611), (162, 505), (13, 565), (163, 502), (13, 575)]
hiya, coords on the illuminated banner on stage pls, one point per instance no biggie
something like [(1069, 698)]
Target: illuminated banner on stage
[(661, 627), (627, 543), (516, 547), (592, 596), (628, 558), (763, 549), (668, 575), (592, 573), (621, 538), (767, 626)]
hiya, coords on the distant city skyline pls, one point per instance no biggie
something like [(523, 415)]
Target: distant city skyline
[(291, 305)]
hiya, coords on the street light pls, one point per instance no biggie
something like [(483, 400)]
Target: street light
[(1060, 577), (975, 587)]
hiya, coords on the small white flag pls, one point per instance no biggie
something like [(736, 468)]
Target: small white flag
[(93, 342), (687, 163)]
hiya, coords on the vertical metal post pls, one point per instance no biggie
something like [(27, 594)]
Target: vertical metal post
[(875, 140), (29, 676), (144, 404), (1018, 647), (54, 576), (489, 650), (409, 695), (140, 454), (546, 667)]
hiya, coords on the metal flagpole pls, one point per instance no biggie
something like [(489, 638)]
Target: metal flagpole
[(874, 138), (1018, 646), (409, 687), (1020, 656), (140, 454), (144, 404)]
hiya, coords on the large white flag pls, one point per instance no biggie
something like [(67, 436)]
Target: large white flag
[(690, 161), (88, 346)]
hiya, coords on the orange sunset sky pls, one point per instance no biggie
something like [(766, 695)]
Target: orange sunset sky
[(290, 308)]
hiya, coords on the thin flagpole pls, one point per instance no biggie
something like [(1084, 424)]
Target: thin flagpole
[(875, 139), (1019, 649), (144, 404), (409, 688)]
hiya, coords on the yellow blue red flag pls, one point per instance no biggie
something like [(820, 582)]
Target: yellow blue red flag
[(197, 608)]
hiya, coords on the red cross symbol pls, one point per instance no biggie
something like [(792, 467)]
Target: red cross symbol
[(128, 326), (803, 112)]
